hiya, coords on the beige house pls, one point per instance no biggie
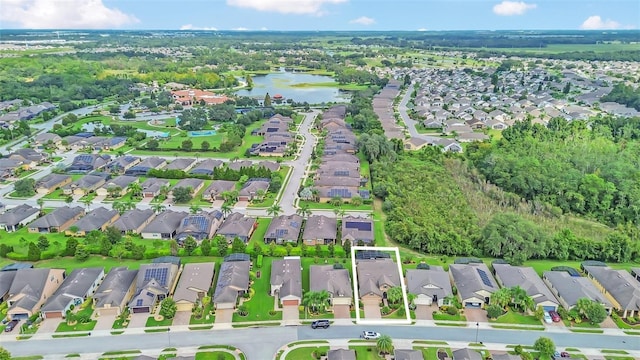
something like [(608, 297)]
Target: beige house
[(375, 277), (194, 284), (117, 288), (30, 289), (618, 286), (52, 182), (474, 282)]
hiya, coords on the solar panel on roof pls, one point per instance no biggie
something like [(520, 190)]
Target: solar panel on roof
[(361, 226), (281, 232), (484, 277), (237, 257), (341, 173), (344, 193), (294, 224), (372, 254)]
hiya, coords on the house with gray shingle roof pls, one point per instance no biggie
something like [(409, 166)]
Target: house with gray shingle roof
[(320, 229), (59, 220), (153, 284), (194, 184), (6, 278), (341, 354), (356, 229), (84, 185), (52, 182), (206, 167), (30, 289), (143, 167), (526, 278), (284, 228), (252, 188), (233, 281), (622, 289), (239, 226), (474, 282), (152, 186), (75, 289), (216, 188), (17, 217), (133, 221), (375, 277), (407, 354), (123, 163), (183, 164), (164, 225), (336, 282), (429, 285), (466, 354), (114, 292), (120, 182), (237, 165), (286, 280), (199, 226), (194, 284), (97, 219)]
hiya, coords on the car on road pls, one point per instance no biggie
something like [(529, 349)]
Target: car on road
[(320, 324), (555, 317), (11, 325), (367, 335), (565, 354), (547, 318)]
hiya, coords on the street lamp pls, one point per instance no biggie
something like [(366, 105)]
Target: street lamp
[(169, 335), (477, 329)]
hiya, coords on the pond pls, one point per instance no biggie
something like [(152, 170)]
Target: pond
[(297, 86)]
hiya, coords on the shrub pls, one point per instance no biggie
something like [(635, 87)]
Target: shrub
[(452, 310), (385, 310)]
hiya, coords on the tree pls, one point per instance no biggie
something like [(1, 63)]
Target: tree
[(43, 242), (25, 187), (182, 194), (226, 209), (356, 200), (119, 206), (274, 210), (205, 247), (521, 300), (267, 100), (238, 246), (596, 313), (195, 208), (113, 234), (168, 308), (153, 144), (316, 301), (190, 245), (81, 253), (501, 297), (158, 208), (87, 202), (40, 203), (545, 346), (384, 344), (304, 211), (205, 146), (33, 253), (493, 311), (347, 247), (4, 354), (187, 145), (70, 247), (394, 294), (222, 245), (135, 188)]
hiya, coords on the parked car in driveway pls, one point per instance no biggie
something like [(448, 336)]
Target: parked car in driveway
[(367, 335), (11, 325), (547, 318), (320, 324), (555, 317)]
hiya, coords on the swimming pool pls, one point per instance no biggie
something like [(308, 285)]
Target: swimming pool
[(201, 133)]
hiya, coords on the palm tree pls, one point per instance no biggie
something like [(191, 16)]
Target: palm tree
[(40, 203), (226, 209), (340, 212), (158, 208), (394, 294), (119, 207), (86, 201), (165, 190), (135, 188), (260, 194), (274, 210), (521, 299), (195, 208), (129, 205), (501, 297), (316, 300), (315, 193), (384, 344), (304, 211), (68, 199)]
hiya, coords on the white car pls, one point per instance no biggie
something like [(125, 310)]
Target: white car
[(547, 318), (369, 335)]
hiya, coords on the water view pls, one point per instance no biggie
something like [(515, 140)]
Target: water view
[(296, 86)]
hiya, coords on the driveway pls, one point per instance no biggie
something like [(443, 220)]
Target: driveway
[(425, 312), (49, 325), (241, 204), (372, 309), (182, 318), (290, 314), (138, 320), (224, 316), (105, 322), (341, 312), (476, 315)]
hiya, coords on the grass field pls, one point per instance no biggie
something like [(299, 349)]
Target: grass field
[(366, 352), (512, 317), (305, 352), (214, 355), (261, 303), (561, 48)]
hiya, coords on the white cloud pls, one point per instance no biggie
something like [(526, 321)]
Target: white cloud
[(423, 29), (313, 7), (363, 20), (240, 29), (63, 14), (264, 29), (191, 27), (508, 8), (595, 22)]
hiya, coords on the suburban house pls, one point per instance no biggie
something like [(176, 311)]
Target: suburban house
[(75, 289), (527, 278), (133, 221), (143, 167), (195, 96), (121, 164), (194, 184), (30, 289), (85, 163), (114, 292), (52, 182), (466, 354), (97, 219), (30, 158), (238, 165), (474, 282), (336, 282), (199, 226), (12, 219), (284, 228), (194, 284), (407, 354), (569, 289), (233, 281), (84, 185), (120, 182), (6, 279), (286, 280), (375, 277), (164, 225), (8, 167), (59, 220), (182, 164), (214, 191), (431, 286), (152, 186), (320, 229), (356, 229), (341, 354), (269, 165), (206, 167), (238, 226), (619, 286), (154, 283), (45, 139), (252, 189)]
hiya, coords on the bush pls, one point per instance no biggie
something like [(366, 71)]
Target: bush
[(385, 310), (452, 310)]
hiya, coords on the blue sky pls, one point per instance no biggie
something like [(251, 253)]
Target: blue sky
[(322, 14)]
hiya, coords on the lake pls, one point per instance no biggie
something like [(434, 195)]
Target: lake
[(284, 83)]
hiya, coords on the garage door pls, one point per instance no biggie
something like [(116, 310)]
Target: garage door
[(473, 305), (184, 307), (290, 302), (53, 314), (108, 311), (549, 308), (140, 310), (19, 316)]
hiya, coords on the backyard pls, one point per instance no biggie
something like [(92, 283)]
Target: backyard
[(260, 305)]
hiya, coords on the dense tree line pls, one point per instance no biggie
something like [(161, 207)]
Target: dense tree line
[(624, 94)]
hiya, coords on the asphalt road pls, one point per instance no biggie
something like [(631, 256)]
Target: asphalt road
[(263, 343), (411, 124)]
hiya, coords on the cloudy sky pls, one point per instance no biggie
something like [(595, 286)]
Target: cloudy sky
[(321, 14)]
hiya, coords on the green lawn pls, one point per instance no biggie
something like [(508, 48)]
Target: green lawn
[(86, 310), (584, 324), (327, 206), (305, 352), (512, 317), (445, 316), (268, 200), (258, 233), (214, 355), (366, 352), (151, 321), (432, 352), (261, 303)]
